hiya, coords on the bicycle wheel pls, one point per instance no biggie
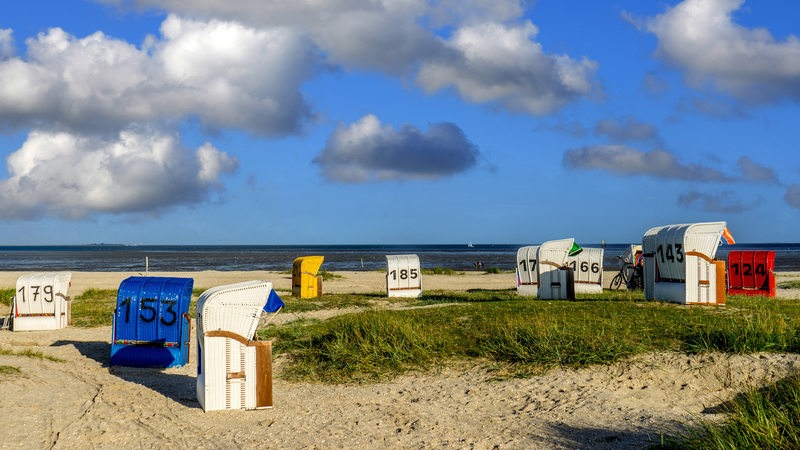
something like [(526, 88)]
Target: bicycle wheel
[(616, 282)]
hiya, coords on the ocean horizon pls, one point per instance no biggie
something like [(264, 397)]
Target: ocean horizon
[(189, 258)]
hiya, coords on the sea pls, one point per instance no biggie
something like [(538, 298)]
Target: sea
[(188, 258)]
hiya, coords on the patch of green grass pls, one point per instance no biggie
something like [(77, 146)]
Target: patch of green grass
[(9, 371), (767, 418), (328, 301), (440, 271), (377, 346), (747, 325), (29, 354), (326, 276), (94, 308), (790, 284), (7, 296), (528, 335)]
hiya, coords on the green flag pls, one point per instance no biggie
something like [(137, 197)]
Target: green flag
[(575, 249)]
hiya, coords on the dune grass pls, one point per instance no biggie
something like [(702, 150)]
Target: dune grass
[(6, 296), (526, 335), (9, 371), (765, 418), (27, 353), (790, 284)]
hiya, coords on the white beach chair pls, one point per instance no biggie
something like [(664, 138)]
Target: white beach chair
[(234, 371), (41, 302)]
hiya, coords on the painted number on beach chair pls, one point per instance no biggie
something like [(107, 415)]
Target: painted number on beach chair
[(585, 267), (47, 292), (747, 269), (404, 274), (666, 253), (148, 313), (524, 265)]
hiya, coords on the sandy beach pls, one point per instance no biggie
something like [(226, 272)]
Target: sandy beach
[(81, 402)]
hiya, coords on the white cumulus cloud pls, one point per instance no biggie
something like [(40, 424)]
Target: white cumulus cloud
[(701, 38), (504, 65), (224, 73), (368, 150), (73, 177), (483, 49)]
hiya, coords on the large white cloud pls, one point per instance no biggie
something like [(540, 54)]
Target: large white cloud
[(487, 53), (74, 177), (224, 73), (368, 150), (700, 37), (500, 64)]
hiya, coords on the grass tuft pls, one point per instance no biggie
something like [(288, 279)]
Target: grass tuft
[(9, 371), (440, 271), (767, 418), (7, 295), (29, 354), (790, 284)]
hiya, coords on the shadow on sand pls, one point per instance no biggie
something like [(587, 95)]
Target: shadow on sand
[(598, 438), (178, 387)]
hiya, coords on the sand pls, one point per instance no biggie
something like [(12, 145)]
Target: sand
[(81, 402)]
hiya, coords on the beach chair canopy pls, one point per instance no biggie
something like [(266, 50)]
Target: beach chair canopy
[(236, 307), (554, 254), (673, 243)]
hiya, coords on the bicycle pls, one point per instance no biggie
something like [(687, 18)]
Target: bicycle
[(628, 274)]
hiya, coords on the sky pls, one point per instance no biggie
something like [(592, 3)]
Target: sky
[(396, 121)]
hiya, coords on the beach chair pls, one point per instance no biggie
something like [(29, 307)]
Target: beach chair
[(403, 276), (588, 270), (41, 302), (306, 283), (680, 263), (151, 326), (234, 370), (556, 281)]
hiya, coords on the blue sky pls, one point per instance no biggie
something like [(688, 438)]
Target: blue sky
[(396, 121)]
